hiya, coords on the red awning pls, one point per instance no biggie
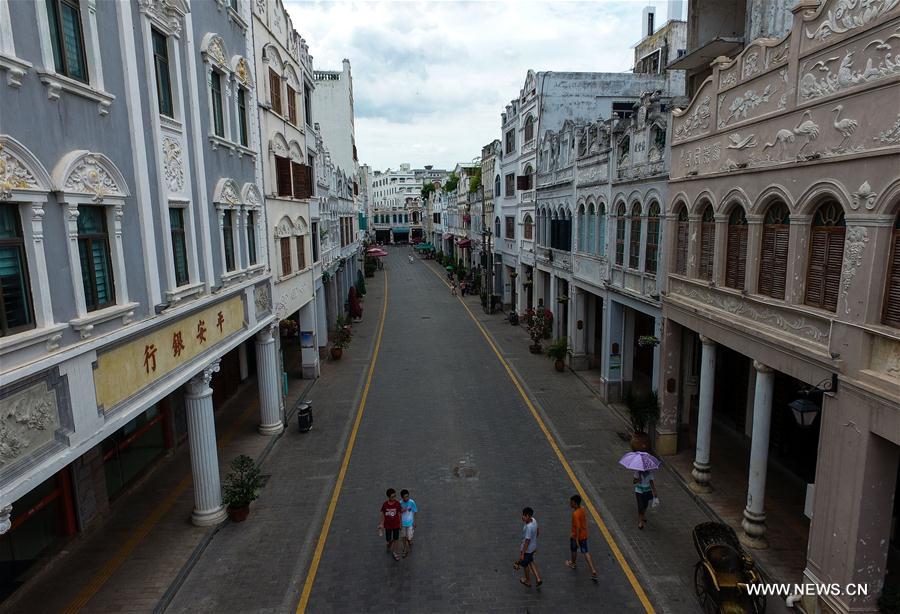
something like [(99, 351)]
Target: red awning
[(463, 242), (447, 235)]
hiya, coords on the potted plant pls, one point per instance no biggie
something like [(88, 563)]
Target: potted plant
[(645, 341), (241, 487), (643, 411), (341, 338), (558, 350), (288, 328), (538, 328)]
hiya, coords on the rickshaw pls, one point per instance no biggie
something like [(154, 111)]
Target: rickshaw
[(724, 571)]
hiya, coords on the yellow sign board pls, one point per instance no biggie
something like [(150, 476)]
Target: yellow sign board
[(129, 368)]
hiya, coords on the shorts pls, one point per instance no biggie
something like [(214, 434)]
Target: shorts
[(527, 559), (392, 535), (407, 532), (643, 500), (575, 545)]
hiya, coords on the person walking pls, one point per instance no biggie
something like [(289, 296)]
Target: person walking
[(528, 548), (389, 522), (644, 492), (578, 538), (408, 518), (452, 288), (411, 260)]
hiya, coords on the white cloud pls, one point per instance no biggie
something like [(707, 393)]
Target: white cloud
[(431, 78)]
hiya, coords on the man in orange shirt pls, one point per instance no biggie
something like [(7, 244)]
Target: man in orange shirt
[(578, 539)]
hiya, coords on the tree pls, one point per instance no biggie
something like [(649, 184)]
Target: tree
[(475, 180), (427, 189), (451, 183)]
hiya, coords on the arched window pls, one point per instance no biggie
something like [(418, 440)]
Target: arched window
[(528, 228), (620, 234), (497, 227), (582, 230), (891, 315), (15, 290), (652, 257), (601, 230), (529, 128), (773, 253), (682, 237), (634, 247), (736, 252), (707, 243), (497, 186), (591, 245), (826, 254)]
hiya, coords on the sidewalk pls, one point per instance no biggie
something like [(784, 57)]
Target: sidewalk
[(662, 554)]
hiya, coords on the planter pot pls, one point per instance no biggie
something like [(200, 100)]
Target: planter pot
[(238, 514), (336, 353), (640, 442), (536, 349), (560, 365), (514, 319)]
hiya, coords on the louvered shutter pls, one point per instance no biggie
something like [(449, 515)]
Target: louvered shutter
[(892, 294), (736, 258), (275, 91), (823, 278), (681, 247), (818, 248), (283, 176), (302, 184), (773, 260), (833, 265), (707, 247)]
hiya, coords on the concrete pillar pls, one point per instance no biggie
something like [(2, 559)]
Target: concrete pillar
[(613, 328), (267, 377), (754, 521), (669, 388), (701, 470), (578, 335), (321, 321), (208, 508), (243, 367), (554, 306)]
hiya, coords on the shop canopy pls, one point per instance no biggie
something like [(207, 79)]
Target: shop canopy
[(377, 253), (400, 230), (425, 247), (447, 235), (463, 242)]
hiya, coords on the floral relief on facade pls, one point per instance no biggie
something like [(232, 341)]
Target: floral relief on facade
[(891, 136), (262, 299), (854, 246), (792, 324), (28, 420), (14, 175), (845, 16), (751, 64), (694, 123), (173, 164), (90, 177), (863, 197)]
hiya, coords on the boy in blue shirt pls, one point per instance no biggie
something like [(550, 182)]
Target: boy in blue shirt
[(408, 516)]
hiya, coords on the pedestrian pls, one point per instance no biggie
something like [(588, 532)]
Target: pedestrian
[(578, 538), (411, 259), (389, 522), (453, 288), (462, 287), (644, 492), (408, 518), (528, 548)]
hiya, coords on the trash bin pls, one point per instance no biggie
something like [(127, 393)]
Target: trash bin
[(305, 416)]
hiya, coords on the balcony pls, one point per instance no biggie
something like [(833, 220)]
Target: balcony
[(639, 283)]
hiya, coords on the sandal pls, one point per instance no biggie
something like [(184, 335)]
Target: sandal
[(595, 577), (524, 583), (641, 524), (539, 582), (570, 564), (396, 557)]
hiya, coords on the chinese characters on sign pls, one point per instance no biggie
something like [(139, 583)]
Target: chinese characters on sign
[(150, 358), (177, 344), (201, 331), (700, 155)]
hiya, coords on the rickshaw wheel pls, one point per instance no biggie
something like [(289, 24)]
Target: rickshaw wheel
[(701, 587), (759, 604)]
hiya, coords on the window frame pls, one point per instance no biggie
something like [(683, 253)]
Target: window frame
[(620, 235), (228, 241), (291, 96), (175, 233), (275, 92), (243, 119), (91, 299), (163, 73), (828, 232), (736, 249), (58, 38), (706, 261), (509, 227), (301, 252), (286, 260), (634, 237), (890, 311), (18, 243), (651, 248), (252, 252), (510, 185), (770, 232), (218, 105)]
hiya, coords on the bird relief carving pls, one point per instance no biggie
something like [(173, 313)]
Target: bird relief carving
[(876, 67), (849, 15), (806, 129)]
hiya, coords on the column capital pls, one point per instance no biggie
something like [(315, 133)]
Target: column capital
[(706, 340), (267, 333), (761, 368), (198, 386), (5, 522)]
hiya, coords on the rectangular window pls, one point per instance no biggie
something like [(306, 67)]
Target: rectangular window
[(67, 38), (242, 117), (96, 266), (218, 119), (283, 176), (652, 244), (301, 253), (620, 241), (275, 91), (163, 78), (523, 182), (251, 237), (307, 105), (285, 256), (510, 184), (510, 227), (228, 236), (510, 141), (315, 241), (634, 248), (624, 109), (292, 105), (179, 246), (16, 310), (302, 180), (234, 5)]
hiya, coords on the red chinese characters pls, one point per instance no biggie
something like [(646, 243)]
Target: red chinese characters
[(177, 344), (220, 322), (150, 358), (201, 331)]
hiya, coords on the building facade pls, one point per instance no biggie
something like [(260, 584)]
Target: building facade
[(783, 293), (136, 292)]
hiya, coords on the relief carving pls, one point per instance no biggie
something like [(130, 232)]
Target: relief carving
[(876, 68), (90, 177), (891, 136), (696, 121), (28, 419), (14, 175), (173, 165), (751, 64), (849, 15), (855, 245), (864, 196), (741, 106), (262, 299)]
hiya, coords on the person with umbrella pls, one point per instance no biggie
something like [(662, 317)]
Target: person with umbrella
[(643, 465)]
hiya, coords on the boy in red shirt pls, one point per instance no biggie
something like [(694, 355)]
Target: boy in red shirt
[(389, 521), (578, 538)]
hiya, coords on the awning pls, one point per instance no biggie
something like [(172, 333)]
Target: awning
[(702, 56), (400, 229), (447, 235), (463, 242)]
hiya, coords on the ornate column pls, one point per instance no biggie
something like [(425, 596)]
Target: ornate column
[(208, 508), (701, 471), (267, 378), (754, 521)]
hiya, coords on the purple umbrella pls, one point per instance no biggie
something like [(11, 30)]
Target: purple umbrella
[(639, 461)]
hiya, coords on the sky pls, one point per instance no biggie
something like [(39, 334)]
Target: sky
[(430, 79)]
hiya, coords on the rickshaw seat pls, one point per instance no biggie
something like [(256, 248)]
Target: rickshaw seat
[(727, 565)]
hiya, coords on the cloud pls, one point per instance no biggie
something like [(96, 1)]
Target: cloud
[(432, 78)]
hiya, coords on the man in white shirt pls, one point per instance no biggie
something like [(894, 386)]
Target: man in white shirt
[(528, 548)]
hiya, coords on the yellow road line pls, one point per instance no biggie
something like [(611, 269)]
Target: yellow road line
[(620, 558), (140, 533), (332, 505)]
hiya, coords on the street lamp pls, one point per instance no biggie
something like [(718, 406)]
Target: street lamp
[(807, 407)]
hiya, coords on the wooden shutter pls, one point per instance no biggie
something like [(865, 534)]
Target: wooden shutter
[(301, 254), (823, 278), (773, 260), (707, 249), (302, 183), (522, 182), (283, 176), (285, 256), (681, 248), (292, 105), (275, 91), (736, 257), (891, 315)]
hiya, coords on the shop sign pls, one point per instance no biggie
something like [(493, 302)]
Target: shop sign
[(124, 371)]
